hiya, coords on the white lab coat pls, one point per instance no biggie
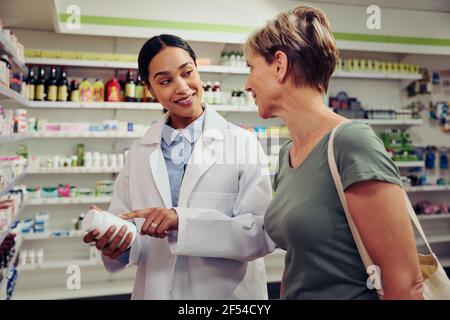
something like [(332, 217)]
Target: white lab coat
[(218, 248)]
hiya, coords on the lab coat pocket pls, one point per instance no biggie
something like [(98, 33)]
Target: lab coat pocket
[(223, 202)]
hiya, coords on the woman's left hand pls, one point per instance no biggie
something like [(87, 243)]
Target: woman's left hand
[(158, 221)]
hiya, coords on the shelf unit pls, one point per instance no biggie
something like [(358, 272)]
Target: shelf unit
[(67, 201), (218, 69), (14, 137), (73, 170), (94, 135), (423, 217), (428, 188), (12, 184), (9, 94), (6, 48), (58, 264), (51, 235), (409, 164)]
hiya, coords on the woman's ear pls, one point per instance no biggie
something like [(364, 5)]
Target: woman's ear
[(281, 64)]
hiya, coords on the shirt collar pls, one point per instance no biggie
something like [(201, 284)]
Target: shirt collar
[(191, 133)]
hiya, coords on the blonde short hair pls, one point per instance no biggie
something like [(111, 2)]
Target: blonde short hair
[(304, 35)]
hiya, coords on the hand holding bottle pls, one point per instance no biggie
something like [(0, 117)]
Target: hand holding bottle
[(110, 248)]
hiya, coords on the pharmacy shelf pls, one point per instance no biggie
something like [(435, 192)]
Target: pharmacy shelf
[(58, 265), (6, 48), (434, 239), (428, 188), (391, 122), (9, 94), (66, 201), (91, 289), (445, 261), (95, 105), (12, 184), (208, 68), (58, 134), (424, 217), (409, 164), (4, 283), (14, 137), (74, 170), (82, 63), (374, 75), (53, 234)]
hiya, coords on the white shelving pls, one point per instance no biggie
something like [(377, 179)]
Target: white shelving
[(12, 184), (409, 164), (14, 137), (96, 135), (392, 122), (6, 48), (73, 170), (9, 94), (209, 68), (90, 289), (82, 63), (433, 217), (58, 264), (428, 188), (66, 201), (433, 239), (52, 235), (370, 75), (95, 105)]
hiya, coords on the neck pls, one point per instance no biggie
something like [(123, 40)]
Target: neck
[(180, 122), (305, 115)]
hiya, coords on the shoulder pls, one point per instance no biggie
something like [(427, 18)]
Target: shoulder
[(356, 136)]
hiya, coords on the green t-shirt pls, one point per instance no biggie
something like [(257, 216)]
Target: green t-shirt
[(306, 217)]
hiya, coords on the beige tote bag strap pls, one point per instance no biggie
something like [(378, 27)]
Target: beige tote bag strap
[(337, 181), (415, 220)]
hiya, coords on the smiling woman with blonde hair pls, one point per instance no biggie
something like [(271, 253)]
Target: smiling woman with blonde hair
[(291, 60)]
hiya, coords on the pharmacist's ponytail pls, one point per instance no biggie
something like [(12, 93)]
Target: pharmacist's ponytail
[(154, 45)]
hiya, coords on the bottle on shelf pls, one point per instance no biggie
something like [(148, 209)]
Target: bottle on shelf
[(86, 90), (63, 86), (31, 84), (74, 91), (40, 85), (99, 91), (6, 71), (113, 90), (52, 89), (217, 94), (130, 88), (140, 88)]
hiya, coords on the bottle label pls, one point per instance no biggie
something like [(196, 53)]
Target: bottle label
[(75, 96), (52, 93), (40, 92), (31, 90), (62, 93), (130, 90), (140, 92)]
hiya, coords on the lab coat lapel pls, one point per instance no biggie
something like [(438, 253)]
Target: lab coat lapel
[(160, 175), (157, 163)]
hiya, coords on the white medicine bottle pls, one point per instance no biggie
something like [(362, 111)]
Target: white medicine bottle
[(103, 220)]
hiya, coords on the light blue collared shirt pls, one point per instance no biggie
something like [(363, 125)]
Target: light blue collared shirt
[(176, 146)]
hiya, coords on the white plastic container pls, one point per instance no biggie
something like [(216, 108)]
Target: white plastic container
[(103, 220)]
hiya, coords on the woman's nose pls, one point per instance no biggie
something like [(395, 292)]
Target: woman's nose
[(182, 86)]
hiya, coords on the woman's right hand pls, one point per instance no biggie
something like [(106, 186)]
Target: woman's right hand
[(112, 250)]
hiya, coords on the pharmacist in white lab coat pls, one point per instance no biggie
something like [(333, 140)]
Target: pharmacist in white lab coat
[(197, 187)]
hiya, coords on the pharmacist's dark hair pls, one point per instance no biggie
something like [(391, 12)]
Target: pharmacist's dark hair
[(154, 45)]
